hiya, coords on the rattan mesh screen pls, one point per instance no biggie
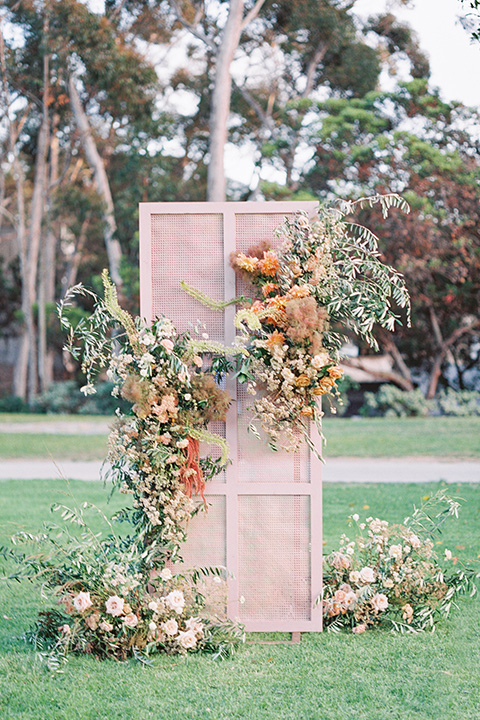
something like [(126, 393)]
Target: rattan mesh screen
[(188, 247), (206, 543), (256, 462), (264, 538), (274, 558)]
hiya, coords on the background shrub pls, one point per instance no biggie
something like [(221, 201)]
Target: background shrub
[(391, 401)]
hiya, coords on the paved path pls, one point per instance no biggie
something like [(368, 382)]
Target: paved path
[(356, 470), (67, 427)]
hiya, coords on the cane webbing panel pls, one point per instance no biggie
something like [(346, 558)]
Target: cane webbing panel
[(274, 558), (257, 462), (206, 543), (264, 519), (189, 248)]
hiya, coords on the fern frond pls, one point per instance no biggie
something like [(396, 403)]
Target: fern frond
[(117, 312)]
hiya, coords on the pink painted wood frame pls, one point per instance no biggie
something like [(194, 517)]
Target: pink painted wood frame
[(175, 238)]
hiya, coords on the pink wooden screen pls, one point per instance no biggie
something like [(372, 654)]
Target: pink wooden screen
[(264, 521)]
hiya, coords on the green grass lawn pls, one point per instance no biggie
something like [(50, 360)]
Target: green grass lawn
[(399, 437), (367, 437), (376, 676), (55, 447)]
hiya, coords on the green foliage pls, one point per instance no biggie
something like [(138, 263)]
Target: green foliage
[(459, 403), (391, 401)]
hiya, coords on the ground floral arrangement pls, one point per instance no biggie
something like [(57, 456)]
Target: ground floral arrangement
[(390, 575), (122, 594)]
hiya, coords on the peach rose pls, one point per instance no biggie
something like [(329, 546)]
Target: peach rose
[(106, 626), (131, 620), (167, 344)]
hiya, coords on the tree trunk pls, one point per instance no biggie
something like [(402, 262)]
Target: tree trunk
[(221, 95), (46, 285), (444, 350), (114, 251), (29, 284)]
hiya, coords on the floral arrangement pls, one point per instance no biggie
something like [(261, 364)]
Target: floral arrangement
[(390, 575), (154, 449), (108, 600), (325, 277)]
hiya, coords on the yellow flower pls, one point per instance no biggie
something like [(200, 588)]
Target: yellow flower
[(335, 372)]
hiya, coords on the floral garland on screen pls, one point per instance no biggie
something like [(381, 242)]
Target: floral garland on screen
[(154, 450), (326, 277)]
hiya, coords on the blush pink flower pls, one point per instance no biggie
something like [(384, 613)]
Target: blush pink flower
[(106, 626), (175, 601), (170, 627), (358, 629), (380, 602), (131, 620), (82, 602), (167, 344), (187, 639), (114, 605), (366, 575)]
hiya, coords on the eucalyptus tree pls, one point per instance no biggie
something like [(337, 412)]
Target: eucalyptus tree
[(60, 63), (414, 143)]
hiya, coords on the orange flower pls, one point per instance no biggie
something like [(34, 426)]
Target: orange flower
[(302, 381), (257, 307), (245, 262), (276, 338), (335, 372), (307, 412), (299, 291), (318, 391), (269, 288), (277, 303), (326, 383), (269, 265)]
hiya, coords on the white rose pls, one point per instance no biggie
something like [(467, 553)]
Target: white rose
[(82, 601), (187, 639), (131, 620), (152, 626), (175, 601), (366, 575), (448, 554), (170, 627), (414, 541), (395, 551), (195, 625), (354, 576), (319, 361), (355, 517), (166, 574), (152, 605), (114, 605)]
